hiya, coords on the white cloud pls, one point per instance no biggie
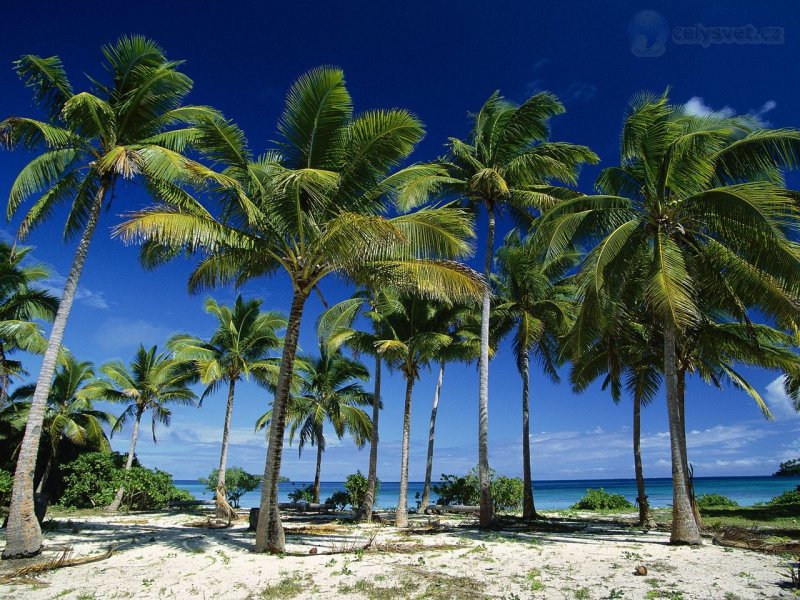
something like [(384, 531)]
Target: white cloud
[(55, 285), (778, 400), (117, 334), (697, 107)]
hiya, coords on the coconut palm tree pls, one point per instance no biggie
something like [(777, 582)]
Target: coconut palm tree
[(70, 415), (153, 381), (329, 392), (335, 329), (417, 333), (241, 346), (535, 304), (20, 304), (506, 164), (702, 199), (313, 208), (131, 126)]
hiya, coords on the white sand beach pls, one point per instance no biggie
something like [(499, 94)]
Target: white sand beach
[(159, 556)]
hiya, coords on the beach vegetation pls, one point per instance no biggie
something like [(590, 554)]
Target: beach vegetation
[(599, 499), (6, 482), (787, 497), (715, 500), (289, 586), (237, 483), (507, 493), (302, 494), (789, 468)]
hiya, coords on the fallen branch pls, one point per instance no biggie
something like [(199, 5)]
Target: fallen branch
[(27, 574)]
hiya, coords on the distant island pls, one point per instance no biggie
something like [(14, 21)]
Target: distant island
[(790, 468)]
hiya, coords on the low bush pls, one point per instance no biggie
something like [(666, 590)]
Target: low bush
[(237, 483), (506, 491), (339, 499), (715, 501), (6, 483), (599, 499), (356, 486), (302, 494), (787, 497), (92, 480)]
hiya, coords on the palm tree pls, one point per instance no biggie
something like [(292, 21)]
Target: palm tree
[(151, 382), (132, 126), (417, 333), (70, 415), (701, 199), (328, 393), (615, 337), (335, 329), (240, 346), (535, 299), (20, 304), (506, 164), (312, 209), (464, 324)]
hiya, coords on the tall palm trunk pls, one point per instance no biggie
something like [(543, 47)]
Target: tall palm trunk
[(223, 509), (426, 491), (487, 509), (528, 509), (684, 527), (645, 516), (114, 506), (401, 517), (365, 510), (4, 377), (269, 532), (24, 536), (686, 465), (318, 472)]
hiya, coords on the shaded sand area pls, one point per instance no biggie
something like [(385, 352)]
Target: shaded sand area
[(159, 555)]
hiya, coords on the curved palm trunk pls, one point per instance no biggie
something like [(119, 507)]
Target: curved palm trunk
[(365, 510), (115, 503), (645, 516), (426, 491), (317, 472), (24, 536), (269, 532), (528, 509), (223, 509), (487, 509), (686, 465), (684, 527), (401, 517)]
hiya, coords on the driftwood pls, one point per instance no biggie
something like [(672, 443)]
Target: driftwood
[(299, 506), (28, 574), (440, 509), (752, 540)]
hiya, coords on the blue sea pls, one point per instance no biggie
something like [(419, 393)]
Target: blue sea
[(552, 494)]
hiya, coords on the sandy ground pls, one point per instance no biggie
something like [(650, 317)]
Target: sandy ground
[(159, 556)]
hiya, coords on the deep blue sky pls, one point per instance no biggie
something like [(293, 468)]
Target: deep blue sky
[(439, 60)]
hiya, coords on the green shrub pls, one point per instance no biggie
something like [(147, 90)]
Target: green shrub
[(506, 491), (92, 480), (147, 489), (599, 499), (237, 483), (787, 497), (6, 483), (302, 494), (89, 480), (715, 501), (356, 486), (339, 499)]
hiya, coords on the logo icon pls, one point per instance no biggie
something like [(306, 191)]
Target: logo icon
[(648, 32)]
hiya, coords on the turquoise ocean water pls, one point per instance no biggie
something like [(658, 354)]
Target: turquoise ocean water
[(555, 494)]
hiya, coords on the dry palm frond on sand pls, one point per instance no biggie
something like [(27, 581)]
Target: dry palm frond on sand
[(27, 574)]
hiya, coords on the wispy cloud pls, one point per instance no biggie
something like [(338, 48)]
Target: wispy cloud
[(697, 106), (778, 400)]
